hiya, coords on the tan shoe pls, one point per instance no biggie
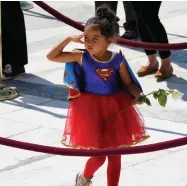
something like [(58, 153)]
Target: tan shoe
[(162, 76), (82, 181), (146, 70)]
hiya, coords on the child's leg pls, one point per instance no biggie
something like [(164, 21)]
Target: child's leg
[(92, 165), (113, 170)]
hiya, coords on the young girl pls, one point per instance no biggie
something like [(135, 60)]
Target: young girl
[(105, 85)]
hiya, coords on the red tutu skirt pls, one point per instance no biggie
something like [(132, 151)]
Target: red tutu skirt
[(86, 125)]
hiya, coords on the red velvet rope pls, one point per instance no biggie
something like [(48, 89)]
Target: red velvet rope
[(103, 152), (130, 43)]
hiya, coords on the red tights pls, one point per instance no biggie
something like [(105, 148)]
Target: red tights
[(113, 169)]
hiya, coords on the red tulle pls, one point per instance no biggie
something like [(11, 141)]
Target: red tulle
[(85, 127)]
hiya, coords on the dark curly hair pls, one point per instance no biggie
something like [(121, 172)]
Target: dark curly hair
[(106, 20)]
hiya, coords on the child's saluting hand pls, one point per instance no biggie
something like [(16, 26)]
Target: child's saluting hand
[(77, 38)]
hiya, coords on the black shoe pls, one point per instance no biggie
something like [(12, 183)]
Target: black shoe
[(130, 34), (9, 72), (131, 30)]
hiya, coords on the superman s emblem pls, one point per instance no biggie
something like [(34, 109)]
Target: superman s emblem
[(104, 73)]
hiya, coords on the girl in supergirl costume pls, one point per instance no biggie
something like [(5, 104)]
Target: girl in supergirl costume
[(101, 84)]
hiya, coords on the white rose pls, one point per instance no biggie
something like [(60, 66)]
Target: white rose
[(177, 94)]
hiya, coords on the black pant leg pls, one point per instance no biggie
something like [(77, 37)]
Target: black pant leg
[(129, 12), (149, 26), (14, 45), (130, 15)]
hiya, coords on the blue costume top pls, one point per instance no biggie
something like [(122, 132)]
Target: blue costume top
[(96, 77)]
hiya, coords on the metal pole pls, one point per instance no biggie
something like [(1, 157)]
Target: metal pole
[(6, 93)]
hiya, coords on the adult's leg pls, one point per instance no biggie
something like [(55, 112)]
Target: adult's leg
[(145, 36), (129, 12), (130, 24), (148, 14), (143, 29), (14, 46)]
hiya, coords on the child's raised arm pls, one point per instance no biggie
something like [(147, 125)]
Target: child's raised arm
[(57, 54)]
